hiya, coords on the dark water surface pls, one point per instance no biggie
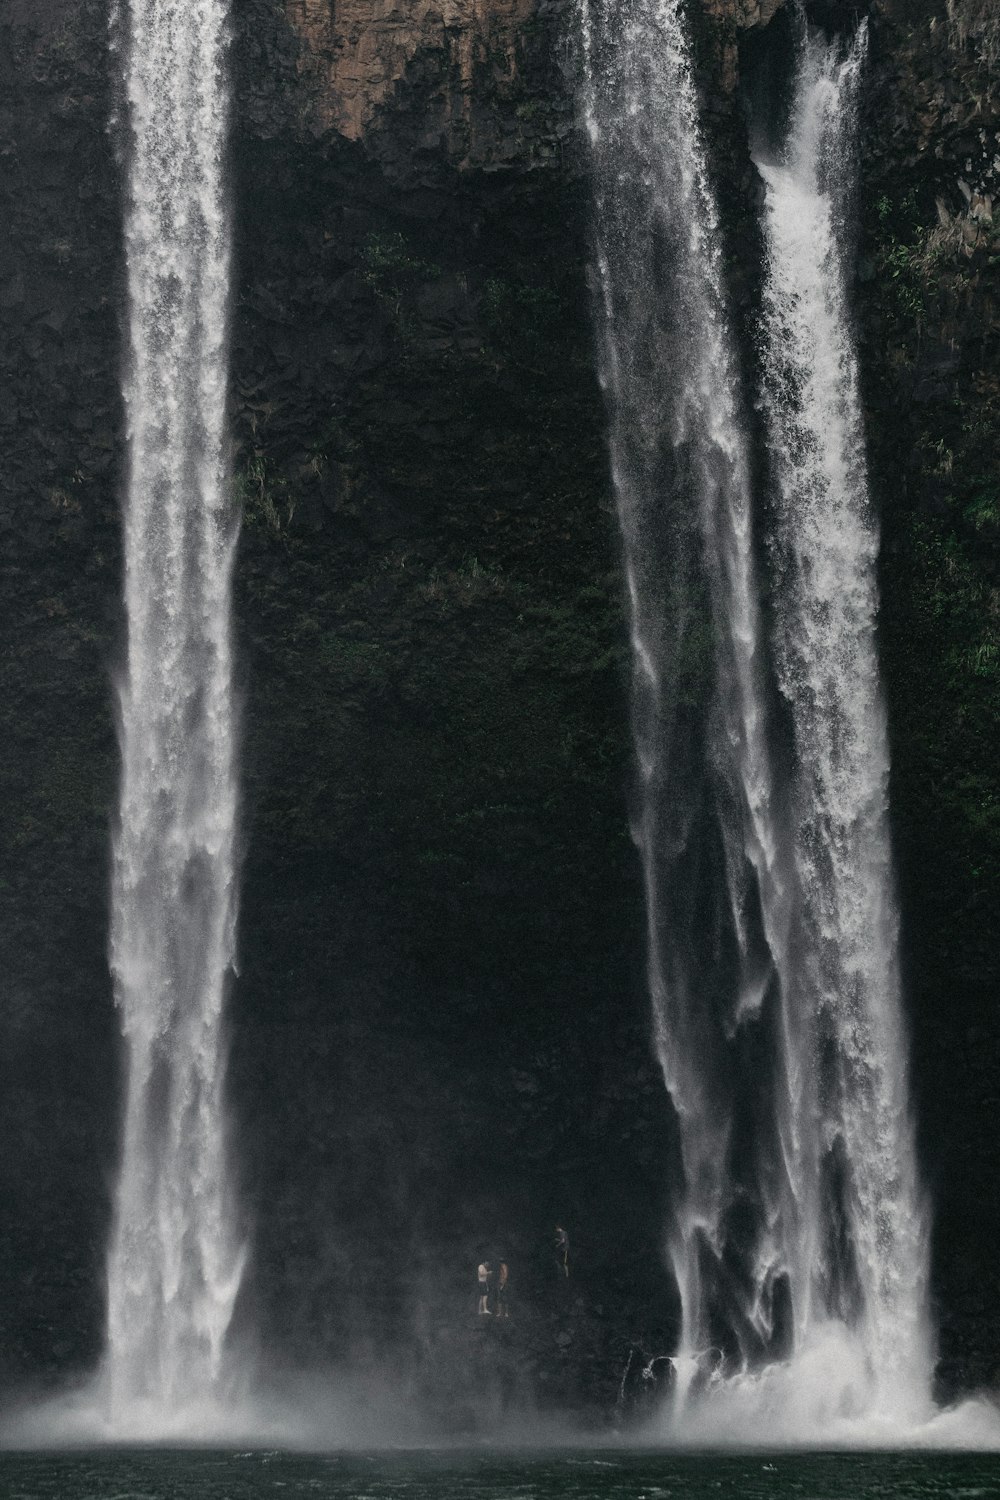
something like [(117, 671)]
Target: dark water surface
[(162, 1474)]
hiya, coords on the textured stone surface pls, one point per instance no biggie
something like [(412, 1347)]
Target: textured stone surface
[(469, 60)]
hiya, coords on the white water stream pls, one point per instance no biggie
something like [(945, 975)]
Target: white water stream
[(174, 1263), (868, 1268), (708, 822)]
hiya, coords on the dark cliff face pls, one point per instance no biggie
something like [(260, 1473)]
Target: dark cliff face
[(439, 1025), (439, 1020), (60, 426), (929, 319)]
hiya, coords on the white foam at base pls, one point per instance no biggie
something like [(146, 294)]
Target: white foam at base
[(827, 1396)]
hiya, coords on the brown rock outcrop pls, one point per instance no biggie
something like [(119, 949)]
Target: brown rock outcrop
[(466, 54)]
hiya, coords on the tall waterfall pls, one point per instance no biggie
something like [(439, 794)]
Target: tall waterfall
[(797, 1238), (174, 1263), (708, 822), (869, 1265)]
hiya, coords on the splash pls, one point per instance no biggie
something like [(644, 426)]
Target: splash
[(822, 1397)]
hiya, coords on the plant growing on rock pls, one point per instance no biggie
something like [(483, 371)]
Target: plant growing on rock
[(977, 21), (261, 495)]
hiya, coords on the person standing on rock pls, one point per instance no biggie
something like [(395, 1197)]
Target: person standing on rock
[(483, 1282)]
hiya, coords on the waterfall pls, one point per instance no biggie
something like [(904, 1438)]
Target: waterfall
[(174, 1262), (870, 1269), (708, 821), (797, 1237)]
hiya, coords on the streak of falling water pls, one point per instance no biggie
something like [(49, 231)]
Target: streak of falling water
[(174, 1262), (707, 819), (825, 547)]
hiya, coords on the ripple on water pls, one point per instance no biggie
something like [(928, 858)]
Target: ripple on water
[(169, 1474)]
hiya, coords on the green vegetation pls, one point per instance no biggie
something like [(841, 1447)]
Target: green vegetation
[(394, 272), (262, 495), (916, 261), (982, 509)]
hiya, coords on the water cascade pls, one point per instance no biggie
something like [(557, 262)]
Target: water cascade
[(708, 820), (869, 1267), (798, 1239), (174, 1262)]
